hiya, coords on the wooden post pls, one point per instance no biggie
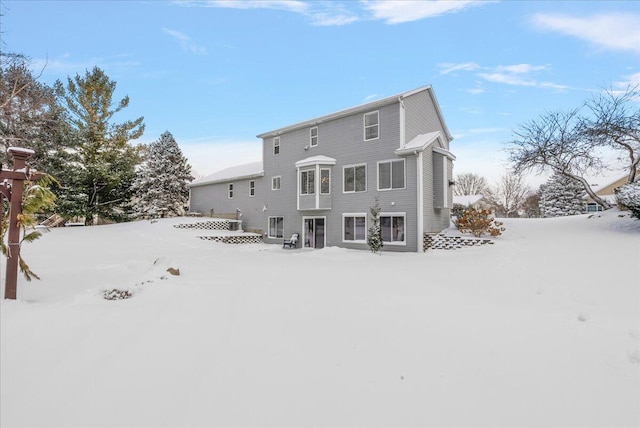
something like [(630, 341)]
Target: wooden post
[(17, 176)]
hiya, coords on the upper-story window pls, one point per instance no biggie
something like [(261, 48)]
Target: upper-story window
[(355, 178), (230, 190), (275, 182), (313, 136), (391, 175), (325, 181), (371, 125), (276, 145), (307, 182), (252, 188)]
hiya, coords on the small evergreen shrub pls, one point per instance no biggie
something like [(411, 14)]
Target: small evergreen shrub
[(628, 197), (374, 234), (478, 223)]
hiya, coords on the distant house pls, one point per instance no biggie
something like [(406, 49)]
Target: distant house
[(606, 192), (471, 201), (320, 177)]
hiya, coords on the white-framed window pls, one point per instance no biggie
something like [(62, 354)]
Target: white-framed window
[(393, 228), (354, 178), (252, 188), (308, 182), (371, 125), (276, 227), (275, 182), (325, 181), (276, 145), (313, 136), (354, 228), (593, 207), (391, 175), (230, 190)]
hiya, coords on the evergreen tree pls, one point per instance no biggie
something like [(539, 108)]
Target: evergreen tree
[(562, 196), (98, 180), (162, 183), (29, 115), (374, 235)]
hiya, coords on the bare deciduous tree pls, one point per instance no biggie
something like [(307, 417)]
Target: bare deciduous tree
[(470, 184), (509, 194), (615, 123), (556, 141)]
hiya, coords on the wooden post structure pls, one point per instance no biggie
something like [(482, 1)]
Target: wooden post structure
[(12, 188)]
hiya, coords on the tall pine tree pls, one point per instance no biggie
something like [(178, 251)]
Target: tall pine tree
[(562, 196), (162, 182), (98, 181)]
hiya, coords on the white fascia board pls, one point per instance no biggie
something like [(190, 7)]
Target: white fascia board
[(444, 152), (316, 160)]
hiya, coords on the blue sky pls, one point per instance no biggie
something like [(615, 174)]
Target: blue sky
[(217, 73)]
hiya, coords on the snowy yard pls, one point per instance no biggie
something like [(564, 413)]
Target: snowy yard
[(540, 329)]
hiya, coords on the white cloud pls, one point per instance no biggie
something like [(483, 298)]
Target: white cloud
[(614, 31), (399, 11), (290, 5), (631, 81), (186, 43), (520, 68), (332, 13), (447, 67), (508, 79)]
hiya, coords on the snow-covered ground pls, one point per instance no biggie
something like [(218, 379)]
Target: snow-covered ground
[(540, 329)]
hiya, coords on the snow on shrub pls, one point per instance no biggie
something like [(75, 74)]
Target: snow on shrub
[(628, 197), (478, 222), (117, 294)]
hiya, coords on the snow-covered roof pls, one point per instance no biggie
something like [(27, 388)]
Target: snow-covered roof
[(316, 160), (467, 200), (421, 142), (249, 170)]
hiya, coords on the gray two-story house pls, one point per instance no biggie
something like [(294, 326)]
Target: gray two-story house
[(320, 177)]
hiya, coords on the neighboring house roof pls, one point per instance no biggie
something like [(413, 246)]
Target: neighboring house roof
[(361, 108), (249, 170), (467, 200)]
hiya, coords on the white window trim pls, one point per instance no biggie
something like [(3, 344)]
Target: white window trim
[(252, 188), (391, 177), (366, 187), (230, 190), (276, 143), (304, 232), (396, 214), (364, 125), (366, 228), (269, 227), (273, 182), (314, 182), (320, 182), (311, 136)]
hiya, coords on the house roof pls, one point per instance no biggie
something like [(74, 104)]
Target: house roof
[(361, 108), (467, 200), (249, 170)]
